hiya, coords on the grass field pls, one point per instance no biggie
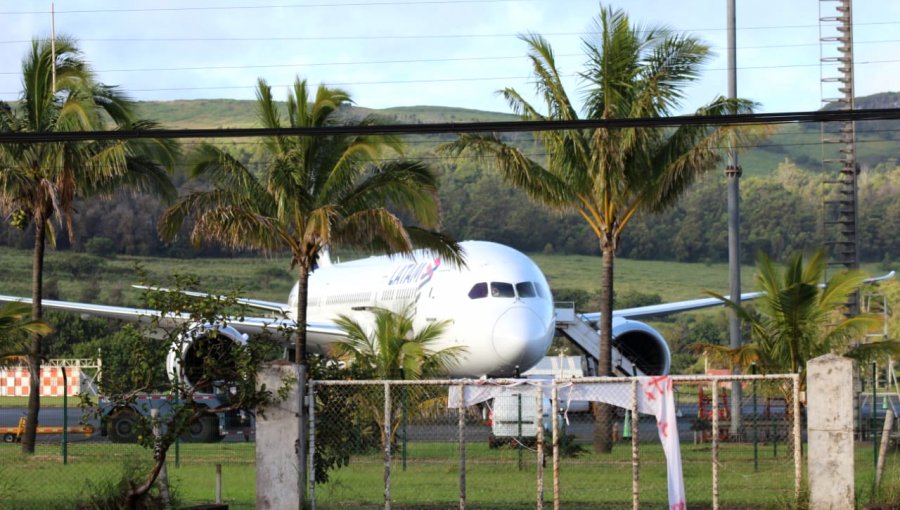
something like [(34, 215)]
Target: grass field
[(493, 479)]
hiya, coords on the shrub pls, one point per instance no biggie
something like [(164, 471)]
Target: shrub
[(100, 246)]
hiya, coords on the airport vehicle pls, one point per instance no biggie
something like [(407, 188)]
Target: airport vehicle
[(120, 423), (515, 417)]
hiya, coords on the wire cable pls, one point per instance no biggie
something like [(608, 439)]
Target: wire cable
[(462, 127)]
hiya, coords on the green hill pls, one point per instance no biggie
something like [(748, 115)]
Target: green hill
[(235, 113), (800, 144)]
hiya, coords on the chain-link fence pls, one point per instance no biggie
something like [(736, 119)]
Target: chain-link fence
[(407, 444), (76, 461), (401, 443)]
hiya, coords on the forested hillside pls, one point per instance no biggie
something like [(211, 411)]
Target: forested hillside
[(781, 194)]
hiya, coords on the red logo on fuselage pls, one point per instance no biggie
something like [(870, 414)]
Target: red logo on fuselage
[(418, 273)]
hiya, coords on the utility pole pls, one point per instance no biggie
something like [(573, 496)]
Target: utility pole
[(733, 175)]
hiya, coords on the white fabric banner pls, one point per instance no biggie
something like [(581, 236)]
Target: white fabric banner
[(655, 396)]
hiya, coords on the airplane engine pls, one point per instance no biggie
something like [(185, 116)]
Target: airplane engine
[(638, 349), (202, 358)]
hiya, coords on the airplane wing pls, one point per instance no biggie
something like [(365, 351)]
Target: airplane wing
[(270, 306), (646, 312), (324, 332)]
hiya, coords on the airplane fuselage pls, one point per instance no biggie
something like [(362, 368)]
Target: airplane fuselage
[(498, 306)]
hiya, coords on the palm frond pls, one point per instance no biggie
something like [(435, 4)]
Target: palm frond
[(15, 318)]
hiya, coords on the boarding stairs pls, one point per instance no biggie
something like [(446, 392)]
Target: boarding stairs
[(584, 334)]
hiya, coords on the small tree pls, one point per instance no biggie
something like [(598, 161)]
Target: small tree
[(228, 369), (797, 319), (392, 349)]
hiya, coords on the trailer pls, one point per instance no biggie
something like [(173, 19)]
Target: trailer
[(14, 434)]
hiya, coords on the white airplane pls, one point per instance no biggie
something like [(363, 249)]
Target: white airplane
[(498, 306)]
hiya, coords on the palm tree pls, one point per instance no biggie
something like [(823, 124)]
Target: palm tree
[(610, 175), (797, 319), (311, 193), (392, 350), (42, 181)]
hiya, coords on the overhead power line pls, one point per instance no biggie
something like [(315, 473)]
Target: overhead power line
[(462, 127), (272, 6)]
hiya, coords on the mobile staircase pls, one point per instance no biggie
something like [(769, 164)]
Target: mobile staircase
[(583, 333)]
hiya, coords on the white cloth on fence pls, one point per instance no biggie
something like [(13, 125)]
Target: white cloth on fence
[(654, 396)]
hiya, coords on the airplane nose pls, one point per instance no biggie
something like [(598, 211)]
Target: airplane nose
[(518, 337)]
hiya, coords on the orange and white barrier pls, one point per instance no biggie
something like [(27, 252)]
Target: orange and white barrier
[(16, 381)]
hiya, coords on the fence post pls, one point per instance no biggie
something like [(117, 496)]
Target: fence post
[(387, 446), (539, 443), (462, 448), (278, 475), (885, 439), (798, 445), (65, 442), (874, 422), (715, 443), (311, 455), (163, 479), (218, 482), (755, 430), (554, 407), (519, 432), (635, 448), (830, 414)]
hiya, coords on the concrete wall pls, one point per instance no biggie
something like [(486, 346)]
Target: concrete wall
[(829, 387), (277, 436)]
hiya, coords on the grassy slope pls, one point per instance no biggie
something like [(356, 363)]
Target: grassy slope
[(786, 142)]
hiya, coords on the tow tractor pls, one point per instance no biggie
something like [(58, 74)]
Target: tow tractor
[(14, 434)]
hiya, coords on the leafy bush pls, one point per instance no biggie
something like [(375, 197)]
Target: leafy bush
[(79, 265), (111, 494), (100, 246)]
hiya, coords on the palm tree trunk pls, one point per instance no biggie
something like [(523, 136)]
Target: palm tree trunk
[(302, 305), (34, 351), (300, 359), (603, 413)]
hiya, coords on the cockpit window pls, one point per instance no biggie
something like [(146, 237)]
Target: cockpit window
[(478, 291), (502, 290), (525, 289), (507, 290)]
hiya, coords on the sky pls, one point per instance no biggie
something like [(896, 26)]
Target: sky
[(456, 53)]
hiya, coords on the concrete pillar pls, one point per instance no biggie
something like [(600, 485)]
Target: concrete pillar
[(277, 436), (829, 389)]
